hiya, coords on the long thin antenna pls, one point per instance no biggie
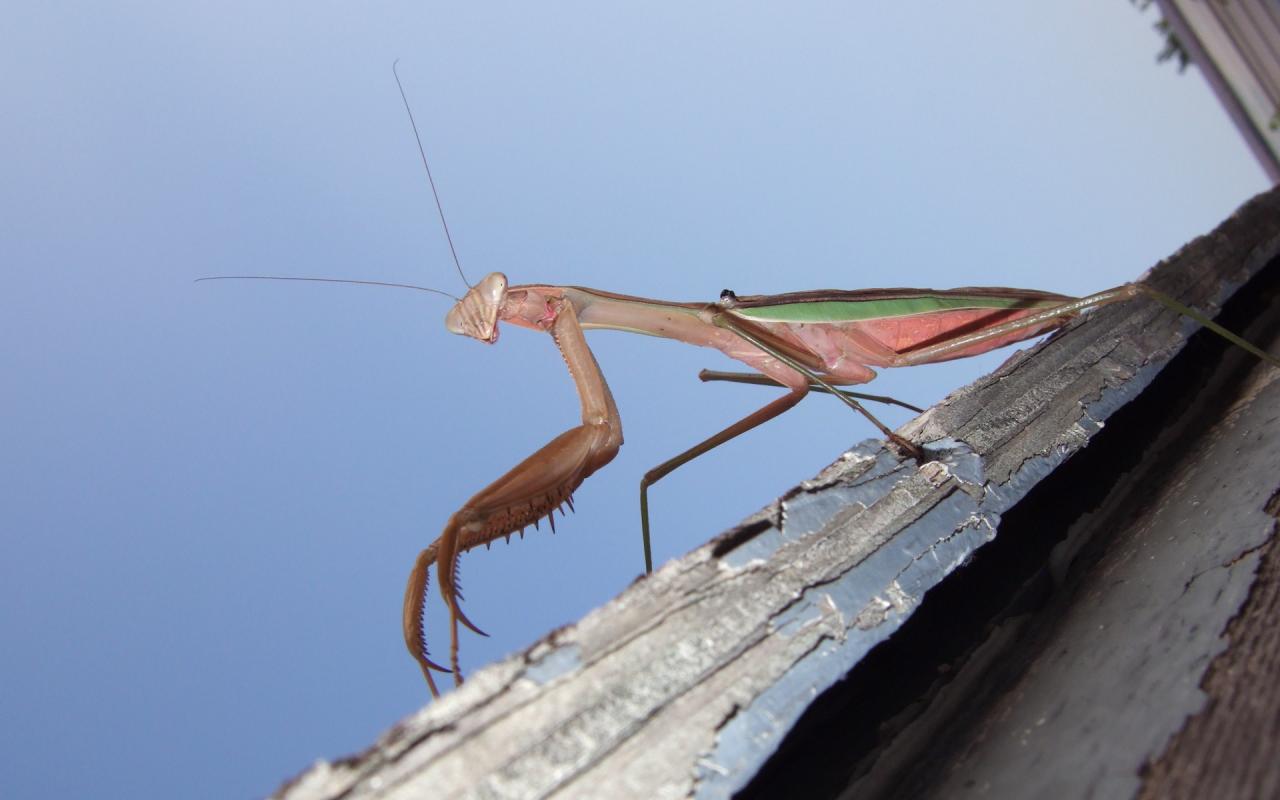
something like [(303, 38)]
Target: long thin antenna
[(324, 280), (431, 180)]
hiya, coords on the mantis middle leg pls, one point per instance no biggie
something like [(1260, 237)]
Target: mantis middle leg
[(803, 379), (743, 425)]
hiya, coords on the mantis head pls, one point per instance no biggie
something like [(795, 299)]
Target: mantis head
[(476, 314)]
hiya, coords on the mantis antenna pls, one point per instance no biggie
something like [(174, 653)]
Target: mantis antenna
[(439, 209), (422, 152), (325, 280)]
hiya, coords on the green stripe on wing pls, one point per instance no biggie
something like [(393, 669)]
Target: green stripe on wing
[(836, 311)]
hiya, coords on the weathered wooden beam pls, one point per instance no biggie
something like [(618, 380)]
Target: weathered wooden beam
[(853, 595), (1117, 637)]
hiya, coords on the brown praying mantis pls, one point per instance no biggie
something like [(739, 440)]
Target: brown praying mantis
[(802, 341)]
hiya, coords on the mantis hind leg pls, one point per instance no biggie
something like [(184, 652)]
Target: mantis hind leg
[(1191, 313), (738, 428)]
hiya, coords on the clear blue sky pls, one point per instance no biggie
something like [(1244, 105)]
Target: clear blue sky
[(212, 494)]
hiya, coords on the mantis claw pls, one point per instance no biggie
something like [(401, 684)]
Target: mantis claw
[(463, 619), (429, 664)]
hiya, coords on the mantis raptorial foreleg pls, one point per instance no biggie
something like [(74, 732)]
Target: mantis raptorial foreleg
[(535, 488)]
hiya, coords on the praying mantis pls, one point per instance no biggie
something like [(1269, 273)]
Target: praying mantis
[(799, 341)]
